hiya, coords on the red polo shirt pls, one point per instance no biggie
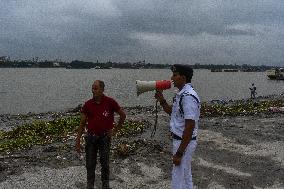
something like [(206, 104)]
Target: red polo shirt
[(100, 117)]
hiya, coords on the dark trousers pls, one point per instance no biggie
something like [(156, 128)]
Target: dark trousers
[(95, 144)]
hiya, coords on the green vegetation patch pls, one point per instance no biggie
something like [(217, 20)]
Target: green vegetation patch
[(45, 132), (38, 132), (239, 108), (132, 127)]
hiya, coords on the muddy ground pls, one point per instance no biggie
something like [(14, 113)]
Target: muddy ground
[(233, 152)]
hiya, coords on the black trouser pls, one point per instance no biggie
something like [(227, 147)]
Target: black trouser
[(95, 144)]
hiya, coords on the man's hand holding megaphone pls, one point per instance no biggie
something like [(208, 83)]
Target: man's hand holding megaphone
[(158, 86), (160, 97)]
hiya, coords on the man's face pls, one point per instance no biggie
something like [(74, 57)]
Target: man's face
[(96, 89), (178, 80)]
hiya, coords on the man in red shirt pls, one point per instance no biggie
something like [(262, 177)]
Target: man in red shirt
[(98, 115)]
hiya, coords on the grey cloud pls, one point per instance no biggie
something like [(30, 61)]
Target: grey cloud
[(91, 30), (191, 19)]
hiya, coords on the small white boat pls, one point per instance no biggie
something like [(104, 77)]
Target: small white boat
[(275, 73)]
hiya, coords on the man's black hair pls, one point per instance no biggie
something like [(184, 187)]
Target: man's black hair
[(184, 70)]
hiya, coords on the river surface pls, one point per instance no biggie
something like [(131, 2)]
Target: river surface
[(38, 90)]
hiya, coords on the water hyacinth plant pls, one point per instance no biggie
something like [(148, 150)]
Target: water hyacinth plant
[(59, 130), (239, 108), (132, 127), (45, 132), (38, 132)]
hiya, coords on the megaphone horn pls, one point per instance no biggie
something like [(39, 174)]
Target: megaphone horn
[(144, 86)]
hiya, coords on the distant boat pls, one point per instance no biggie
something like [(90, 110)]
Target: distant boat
[(231, 70), (275, 74), (216, 70), (251, 70)]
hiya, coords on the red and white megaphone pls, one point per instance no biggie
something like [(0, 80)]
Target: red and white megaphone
[(144, 86)]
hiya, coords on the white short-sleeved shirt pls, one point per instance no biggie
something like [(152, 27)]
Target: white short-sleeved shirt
[(191, 110)]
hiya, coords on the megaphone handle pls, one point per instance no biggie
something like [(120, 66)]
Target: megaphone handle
[(156, 120)]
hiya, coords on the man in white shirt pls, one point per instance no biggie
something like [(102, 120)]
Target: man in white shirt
[(184, 113)]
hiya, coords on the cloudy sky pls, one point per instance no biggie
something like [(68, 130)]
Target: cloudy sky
[(158, 31)]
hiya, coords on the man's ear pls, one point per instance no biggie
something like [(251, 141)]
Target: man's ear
[(183, 77)]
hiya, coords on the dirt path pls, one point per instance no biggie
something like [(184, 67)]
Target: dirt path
[(241, 152)]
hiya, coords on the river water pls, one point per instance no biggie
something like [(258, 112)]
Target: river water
[(37, 90)]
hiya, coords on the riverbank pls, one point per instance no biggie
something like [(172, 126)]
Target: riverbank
[(235, 150)]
